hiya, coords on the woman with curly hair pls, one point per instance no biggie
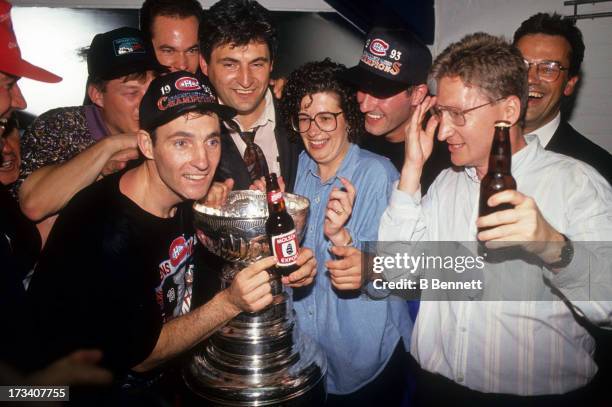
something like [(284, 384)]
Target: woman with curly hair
[(348, 190)]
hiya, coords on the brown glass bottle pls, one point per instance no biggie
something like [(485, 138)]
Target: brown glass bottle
[(281, 229), (498, 178)]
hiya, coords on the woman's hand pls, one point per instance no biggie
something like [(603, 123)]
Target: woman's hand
[(345, 273), (339, 209)]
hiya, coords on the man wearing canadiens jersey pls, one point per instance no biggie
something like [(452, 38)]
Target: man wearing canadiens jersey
[(117, 270)]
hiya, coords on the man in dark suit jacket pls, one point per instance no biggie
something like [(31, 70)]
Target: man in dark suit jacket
[(232, 165), (238, 44), (554, 49)]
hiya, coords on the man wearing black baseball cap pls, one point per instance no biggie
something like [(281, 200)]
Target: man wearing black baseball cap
[(68, 148), (391, 80), (117, 270)]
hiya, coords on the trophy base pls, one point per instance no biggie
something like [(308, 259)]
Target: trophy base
[(282, 369)]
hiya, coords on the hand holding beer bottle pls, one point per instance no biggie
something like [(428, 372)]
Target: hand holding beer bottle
[(506, 216)]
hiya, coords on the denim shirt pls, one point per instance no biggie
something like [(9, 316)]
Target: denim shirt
[(357, 334)]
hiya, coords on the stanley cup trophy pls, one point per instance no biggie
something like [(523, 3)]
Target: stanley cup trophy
[(257, 359)]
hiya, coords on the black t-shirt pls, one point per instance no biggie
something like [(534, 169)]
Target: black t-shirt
[(19, 248), (110, 275), (438, 161)]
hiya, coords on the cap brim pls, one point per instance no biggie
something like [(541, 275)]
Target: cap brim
[(368, 82), (25, 69)]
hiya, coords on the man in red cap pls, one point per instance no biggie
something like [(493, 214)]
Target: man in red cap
[(20, 234), (12, 67), (19, 239)]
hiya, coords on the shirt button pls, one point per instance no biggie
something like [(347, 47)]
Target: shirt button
[(463, 329), (460, 379)]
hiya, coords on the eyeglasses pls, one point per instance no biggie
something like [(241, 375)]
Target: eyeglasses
[(457, 116), (547, 71), (326, 121)]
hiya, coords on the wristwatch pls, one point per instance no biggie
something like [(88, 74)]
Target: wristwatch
[(567, 254)]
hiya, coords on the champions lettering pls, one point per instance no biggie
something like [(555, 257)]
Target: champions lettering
[(164, 102), (392, 68)]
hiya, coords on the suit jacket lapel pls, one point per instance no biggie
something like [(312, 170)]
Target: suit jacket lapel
[(231, 164)]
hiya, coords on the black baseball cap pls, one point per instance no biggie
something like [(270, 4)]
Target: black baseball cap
[(120, 52), (172, 95), (393, 59)]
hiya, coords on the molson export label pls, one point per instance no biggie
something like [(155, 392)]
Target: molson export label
[(281, 229)]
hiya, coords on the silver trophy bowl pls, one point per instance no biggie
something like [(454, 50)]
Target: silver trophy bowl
[(256, 359)]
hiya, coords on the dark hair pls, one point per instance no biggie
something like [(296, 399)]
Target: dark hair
[(169, 8), (318, 77), (488, 62), (236, 22), (556, 24)]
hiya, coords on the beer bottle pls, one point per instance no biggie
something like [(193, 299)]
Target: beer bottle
[(499, 177), (280, 229)]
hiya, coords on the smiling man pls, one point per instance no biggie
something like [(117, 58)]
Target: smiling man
[(502, 352), (391, 79), (117, 271), (552, 45), (172, 28), (68, 148), (238, 44)]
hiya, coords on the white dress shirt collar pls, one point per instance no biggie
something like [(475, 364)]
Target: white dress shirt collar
[(546, 132)]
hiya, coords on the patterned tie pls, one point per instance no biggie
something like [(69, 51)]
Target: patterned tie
[(254, 157)]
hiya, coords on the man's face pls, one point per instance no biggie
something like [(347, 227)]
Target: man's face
[(11, 99), (175, 41), (469, 144), (384, 117), (240, 75), (545, 97), (10, 162), (186, 153), (120, 102)]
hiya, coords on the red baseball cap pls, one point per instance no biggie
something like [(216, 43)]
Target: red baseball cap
[(10, 55)]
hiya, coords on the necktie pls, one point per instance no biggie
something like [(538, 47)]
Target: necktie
[(254, 157)]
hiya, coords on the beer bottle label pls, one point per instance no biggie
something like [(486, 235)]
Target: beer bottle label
[(285, 248), (275, 196)]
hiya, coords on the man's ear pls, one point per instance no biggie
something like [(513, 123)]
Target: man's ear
[(95, 95), (145, 144), (570, 86), (203, 65), (418, 94), (511, 109)]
